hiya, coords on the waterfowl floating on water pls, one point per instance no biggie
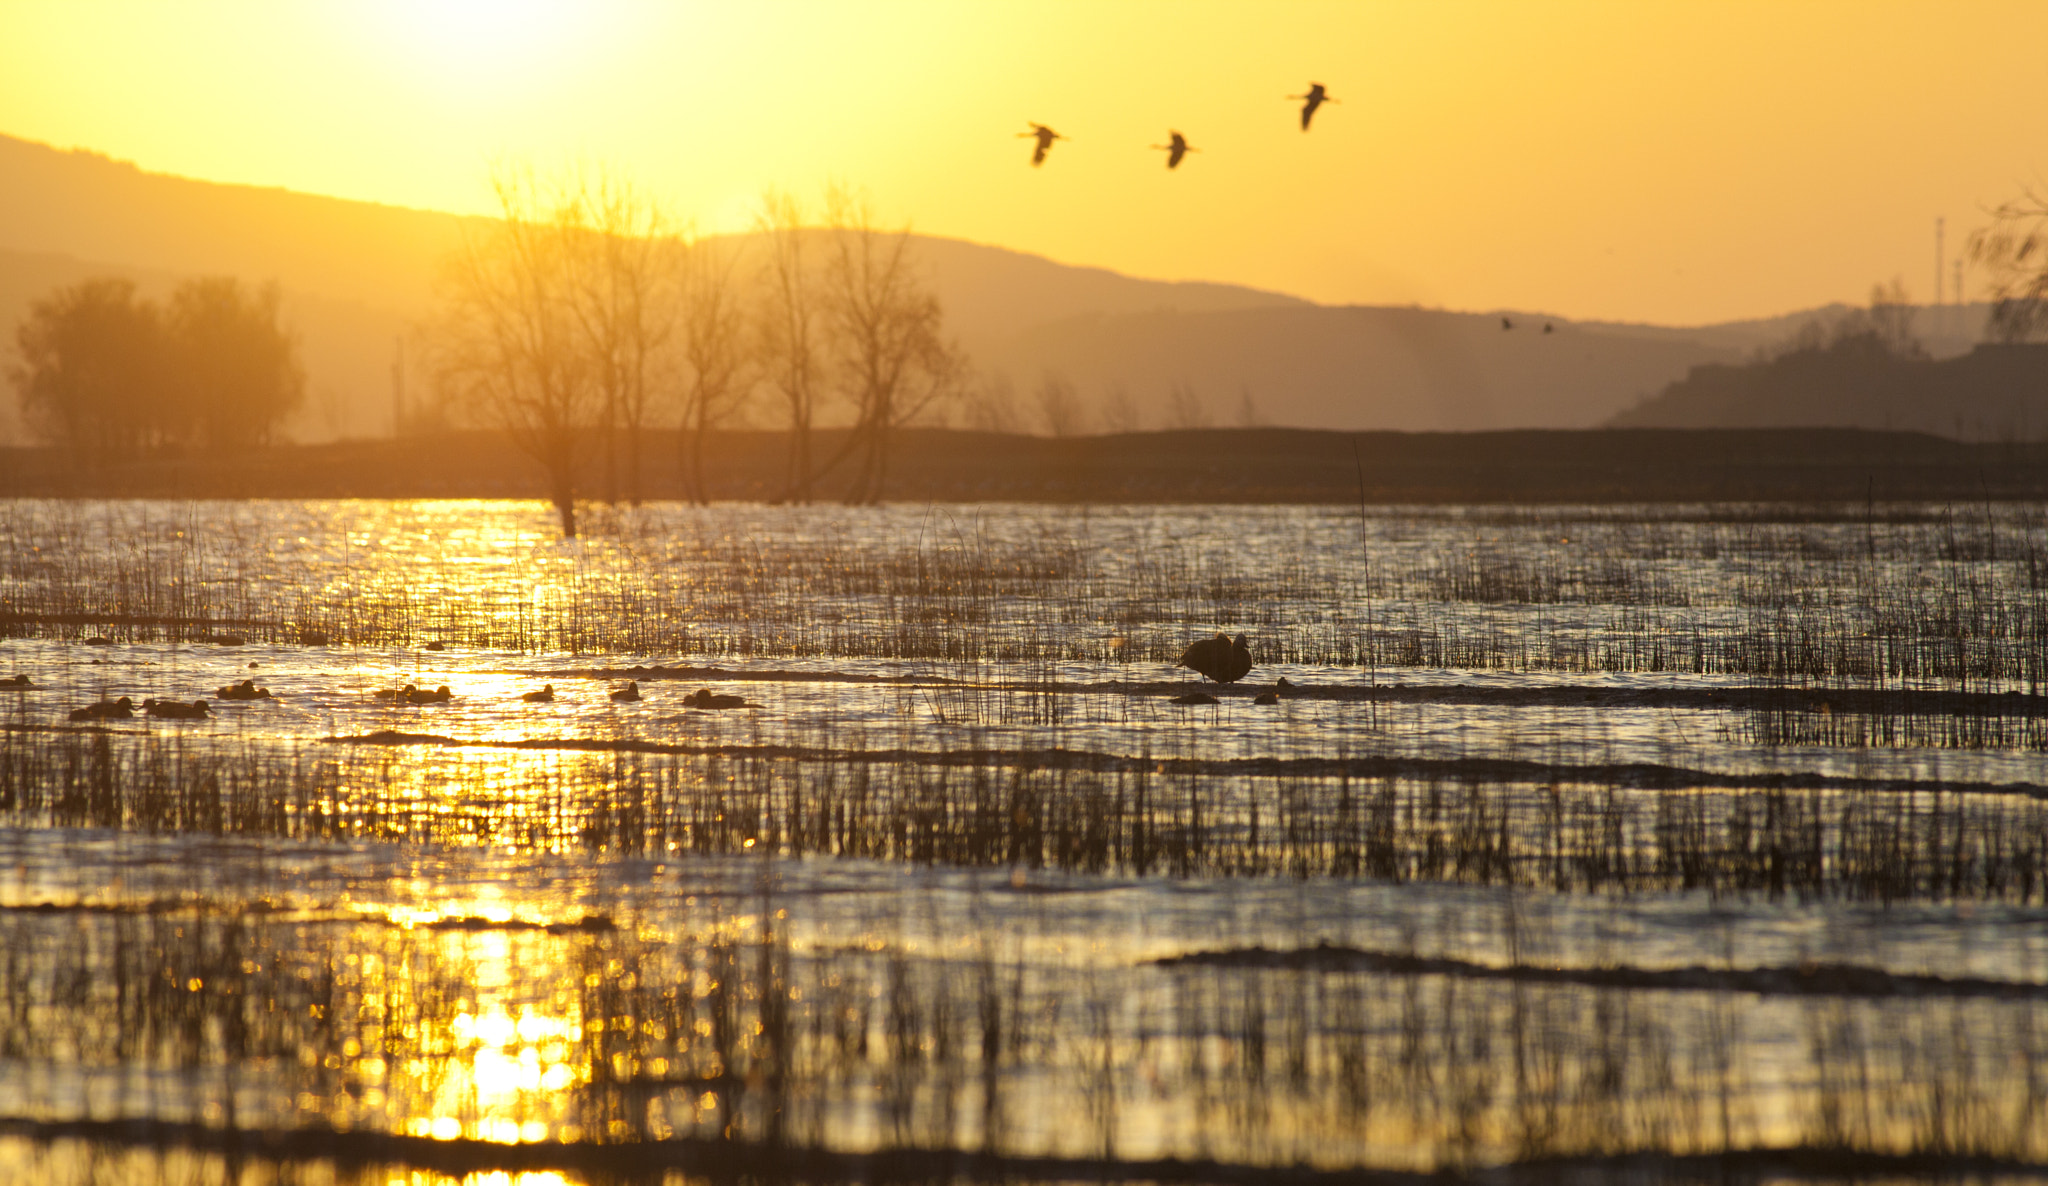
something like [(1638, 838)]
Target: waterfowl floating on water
[(16, 681), (105, 710), (410, 694), (176, 710), (706, 698), (546, 695), (246, 690), (629, 693)]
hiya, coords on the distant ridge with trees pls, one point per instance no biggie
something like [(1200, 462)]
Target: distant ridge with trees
[(1997, 392), (1053, 348)]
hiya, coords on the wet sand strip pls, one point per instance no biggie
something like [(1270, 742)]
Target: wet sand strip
[(1805, 980), (1625, 775), (732, 1159)]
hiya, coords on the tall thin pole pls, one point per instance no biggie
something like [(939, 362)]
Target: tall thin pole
[(1940, 273), (398, 387)]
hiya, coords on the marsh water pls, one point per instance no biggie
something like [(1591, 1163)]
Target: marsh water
[(1713, 835)]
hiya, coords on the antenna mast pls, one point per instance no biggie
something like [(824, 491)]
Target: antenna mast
[(1938, 277)]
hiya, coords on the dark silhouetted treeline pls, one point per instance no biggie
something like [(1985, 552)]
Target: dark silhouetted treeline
[(1220, 465), (112, 376)]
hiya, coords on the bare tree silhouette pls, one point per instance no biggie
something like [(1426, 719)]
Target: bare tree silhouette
[(2015, 249), (992, 404), (1059, 405), (715, 347), (1248, 409), (1891, 317), (886, 329), (791, 330), (624, 307), (1120, 412), (509, 342)]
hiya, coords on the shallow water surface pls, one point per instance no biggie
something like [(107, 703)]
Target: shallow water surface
[(1582, 834)]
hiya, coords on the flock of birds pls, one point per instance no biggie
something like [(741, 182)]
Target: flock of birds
[(124, 708), (1177, 147)]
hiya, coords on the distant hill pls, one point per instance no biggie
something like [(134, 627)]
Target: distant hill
[(1356, 367), (1993, 393), (357, 274)]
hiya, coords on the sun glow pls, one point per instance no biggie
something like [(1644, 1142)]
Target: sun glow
[(457, 42)]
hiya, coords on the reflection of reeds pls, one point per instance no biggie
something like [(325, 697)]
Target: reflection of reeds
[(1175, 819), (712, 1032)]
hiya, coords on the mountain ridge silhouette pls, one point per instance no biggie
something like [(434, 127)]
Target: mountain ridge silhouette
[(357, 274)]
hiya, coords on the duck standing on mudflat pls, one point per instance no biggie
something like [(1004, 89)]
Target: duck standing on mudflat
[(1219, 658)]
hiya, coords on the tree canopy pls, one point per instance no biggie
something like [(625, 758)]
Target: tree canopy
[(113, 375)]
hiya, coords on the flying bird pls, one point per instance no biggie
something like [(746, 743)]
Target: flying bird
[(1219, 658), (1045, 136), (1315, 98), (1176, 147)]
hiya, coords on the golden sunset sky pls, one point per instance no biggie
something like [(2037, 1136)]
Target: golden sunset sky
[(1671, 162)]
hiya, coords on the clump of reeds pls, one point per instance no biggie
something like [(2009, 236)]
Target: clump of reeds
[(1081, 813)]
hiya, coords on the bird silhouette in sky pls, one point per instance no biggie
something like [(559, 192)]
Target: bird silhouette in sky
[(1045, 136), (1315, 98), (1176, 148)]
